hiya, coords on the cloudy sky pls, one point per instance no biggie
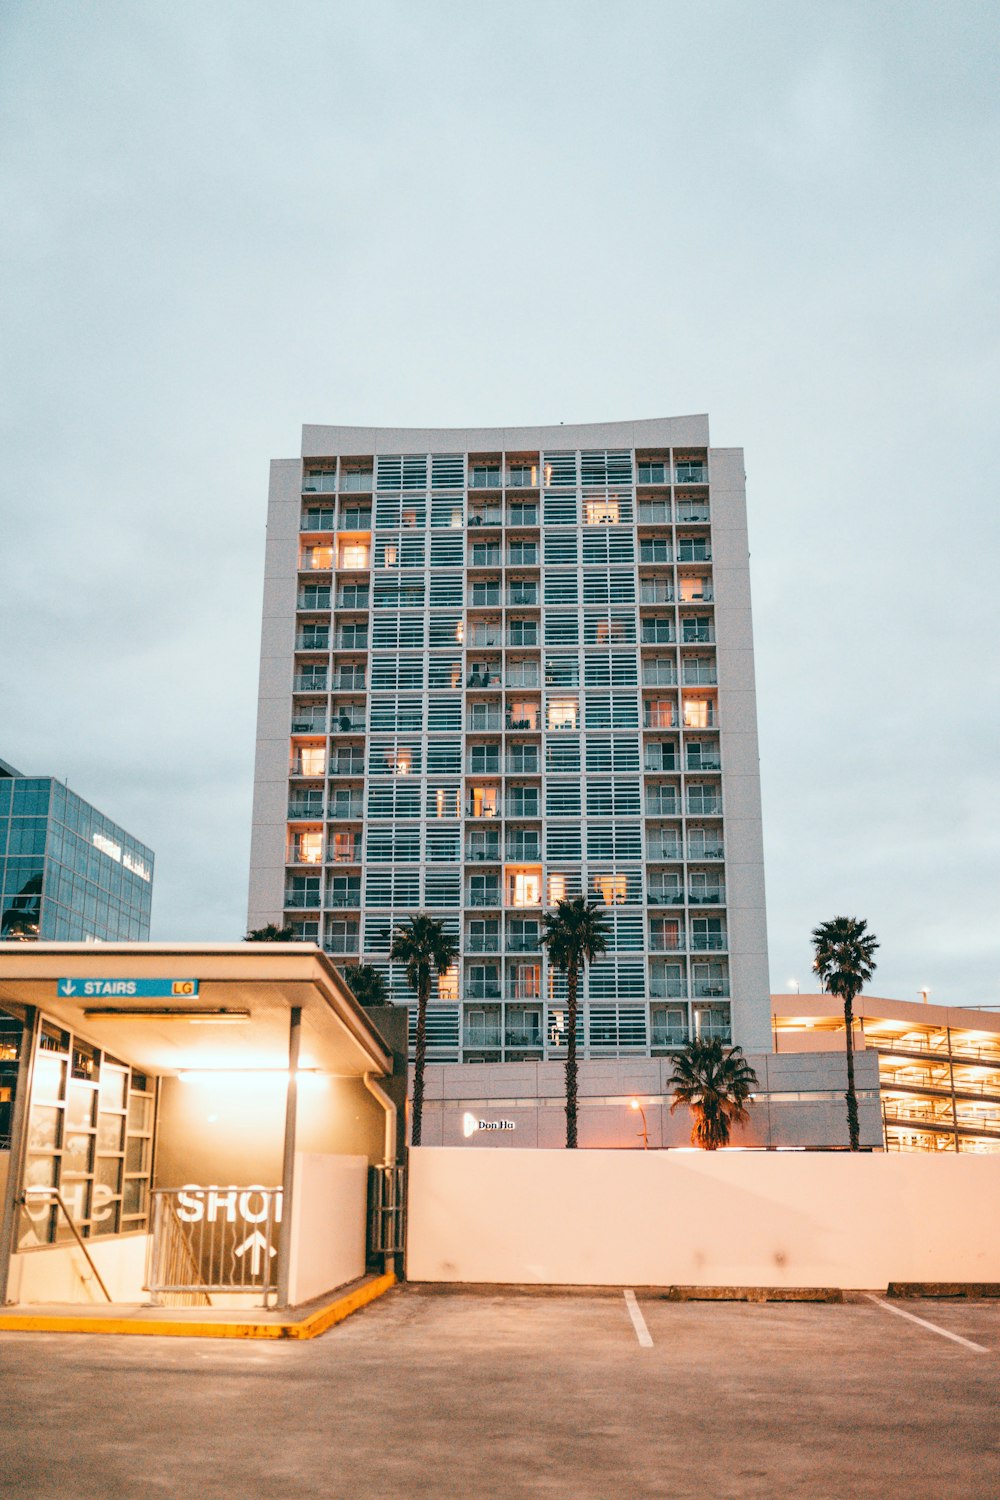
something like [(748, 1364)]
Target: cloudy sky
[(223, 220)]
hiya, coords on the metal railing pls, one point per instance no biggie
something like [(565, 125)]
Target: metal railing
[(53, 1196), (216, 1239), (387, 1209)]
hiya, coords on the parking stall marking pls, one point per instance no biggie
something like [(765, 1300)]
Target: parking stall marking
[(944, 1332), (642, 1333)]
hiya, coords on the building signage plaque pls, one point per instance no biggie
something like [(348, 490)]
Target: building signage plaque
[(127, 989)]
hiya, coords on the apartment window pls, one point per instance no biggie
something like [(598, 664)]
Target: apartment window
[(707, 933), (522, 633), (614, 841), (343, 890), (665, 934), (484, 758), (311, 760), (524, 888), (340, 936), (483, 891), (655, 473), (696, 629), (563, 757), (562, 671), (444, 801), (352, 555), (697, 713), (302, 890), (344, 848), (522, 801), (524, 982), (447, 984), (523, 554), (522, 476), (658, 630), (562, 713), (658, 550), (559, 468), (562, 842), (309, 847), (523, 843), (562, 628), (561, 588), (319, 481), (522, 758), (484, 801), (483, 845), (562, 799), (484, 477), (523, 935), (611, 889)]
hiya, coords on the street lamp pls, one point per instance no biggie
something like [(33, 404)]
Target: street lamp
[(634, 1104)]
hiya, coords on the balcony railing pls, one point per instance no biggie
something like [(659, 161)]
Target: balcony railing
[(349, 855), (710, 896), (690, 474), (660, 674), (710, 989), (341, 942), (666, 942), (483, 679), (345, 807), (347, 765), (300, 899), (523, 944), (340, 900), (522, 595), (693, 552), (344, 724), (309, 723), (483, 898), (703, 674), (483, 723), (704, 807), (521, 766), (703, 763), (528, 722), (655, 593), (481, 1036), (693, 512), (310, 682), (483, 943), (305, 807), (665, 895), (488, 855), (481, 989), (708, 942), (525, 1037), (668, 1036), (313, 640), (698, 850), (484, 598)]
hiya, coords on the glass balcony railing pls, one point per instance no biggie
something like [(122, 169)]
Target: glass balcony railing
[(481, 1036), (525, 1037), (708, 942)]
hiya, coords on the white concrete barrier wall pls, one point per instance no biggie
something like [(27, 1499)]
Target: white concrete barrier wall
[(675, 1218), (60, 1273), (329, 1223)]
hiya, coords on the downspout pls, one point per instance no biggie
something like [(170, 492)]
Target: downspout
[(378, 1092)]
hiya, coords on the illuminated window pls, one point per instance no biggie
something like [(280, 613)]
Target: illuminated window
[(391, 552), (342, 847), (448, 984), (400, 762), (321, 557), (312, 760), (611, 889), (603, 512), (484, 801), (563, 713), (311, 847), (522, 715), (696, 713), (660, 713), (557, 889), (457, 519), (353, 555), (524, 888), (693, 588), (460, 637)]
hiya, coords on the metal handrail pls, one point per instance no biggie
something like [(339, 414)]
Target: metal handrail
[(54, 1193)]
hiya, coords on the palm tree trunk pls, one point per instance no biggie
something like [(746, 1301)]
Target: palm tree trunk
[(423, 994), (851, 1097), (571, 1057)]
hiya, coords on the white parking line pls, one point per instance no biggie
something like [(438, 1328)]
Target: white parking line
[(638, 1321), (945, 1334)]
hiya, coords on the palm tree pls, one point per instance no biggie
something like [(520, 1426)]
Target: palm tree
[(270, 934), (366, 984), (716, 1084), (422, 944), (845, 962), (575, 934)]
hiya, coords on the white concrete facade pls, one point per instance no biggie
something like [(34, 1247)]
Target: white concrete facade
[(723, 1218), (503, 664)]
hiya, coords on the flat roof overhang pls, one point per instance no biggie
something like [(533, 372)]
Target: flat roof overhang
[(170, 1035)]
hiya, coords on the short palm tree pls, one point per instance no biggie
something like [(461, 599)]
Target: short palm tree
[(366, 984), (422, 944), (575, 934), (715, 1083), (270, 934), (845, 962)]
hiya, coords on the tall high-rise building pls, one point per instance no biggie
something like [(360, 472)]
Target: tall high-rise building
[(499, 667), (67, 873)]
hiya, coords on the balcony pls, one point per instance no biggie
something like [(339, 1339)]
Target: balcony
[(522, 515), (313, 638), (523, 943), (310, 761), (344, 851), (350, 597), (319, 482), (659, 674), (484, 896), (486, 853), (345, 805), (710, 989), (484, 477), (340, 942), (350, 638), (483, 677), (482, 989), (347, 765), (313, 722), (693, 511), (303, 899), (662, 988), (522, 633), (346, 724), (655, 593), (708, 942), (689, 592), (653, 473), (524, 718), (692, 551), (343, 897), (306, 807), (475, 1037), (483, 720), (690, 473), (484, 596), (659, 716), (524, 1037), (485, 637), (707, 896), (699, 673), (522, 594), (483, 942), (313, 681), (669, 939), (314, 596), (522, 477), (522, 765), (524, 850), (662, 802), (665, 1035), (658, 633), (697, 633), (703, 762), (665, 895), (703, 805), (523, 675), (357, 480)]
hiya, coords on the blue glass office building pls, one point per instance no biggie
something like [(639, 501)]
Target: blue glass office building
[(67, 873)]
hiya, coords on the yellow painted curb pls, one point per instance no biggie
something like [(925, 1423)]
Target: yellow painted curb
[(308, 1328)]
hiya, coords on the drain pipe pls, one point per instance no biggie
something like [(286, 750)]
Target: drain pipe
[(378, 1092)]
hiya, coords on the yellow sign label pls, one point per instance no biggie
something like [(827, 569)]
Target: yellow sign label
[(183, 987)]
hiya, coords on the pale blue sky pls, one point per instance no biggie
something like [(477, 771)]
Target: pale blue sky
[(223, 220)]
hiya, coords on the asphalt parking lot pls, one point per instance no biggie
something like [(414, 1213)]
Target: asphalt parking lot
[(506, 1394)]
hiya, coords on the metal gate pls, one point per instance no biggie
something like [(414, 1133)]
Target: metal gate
[(387, 1210)]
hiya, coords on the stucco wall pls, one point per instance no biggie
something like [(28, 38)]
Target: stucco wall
[(59, 1273), (702, 1218)]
